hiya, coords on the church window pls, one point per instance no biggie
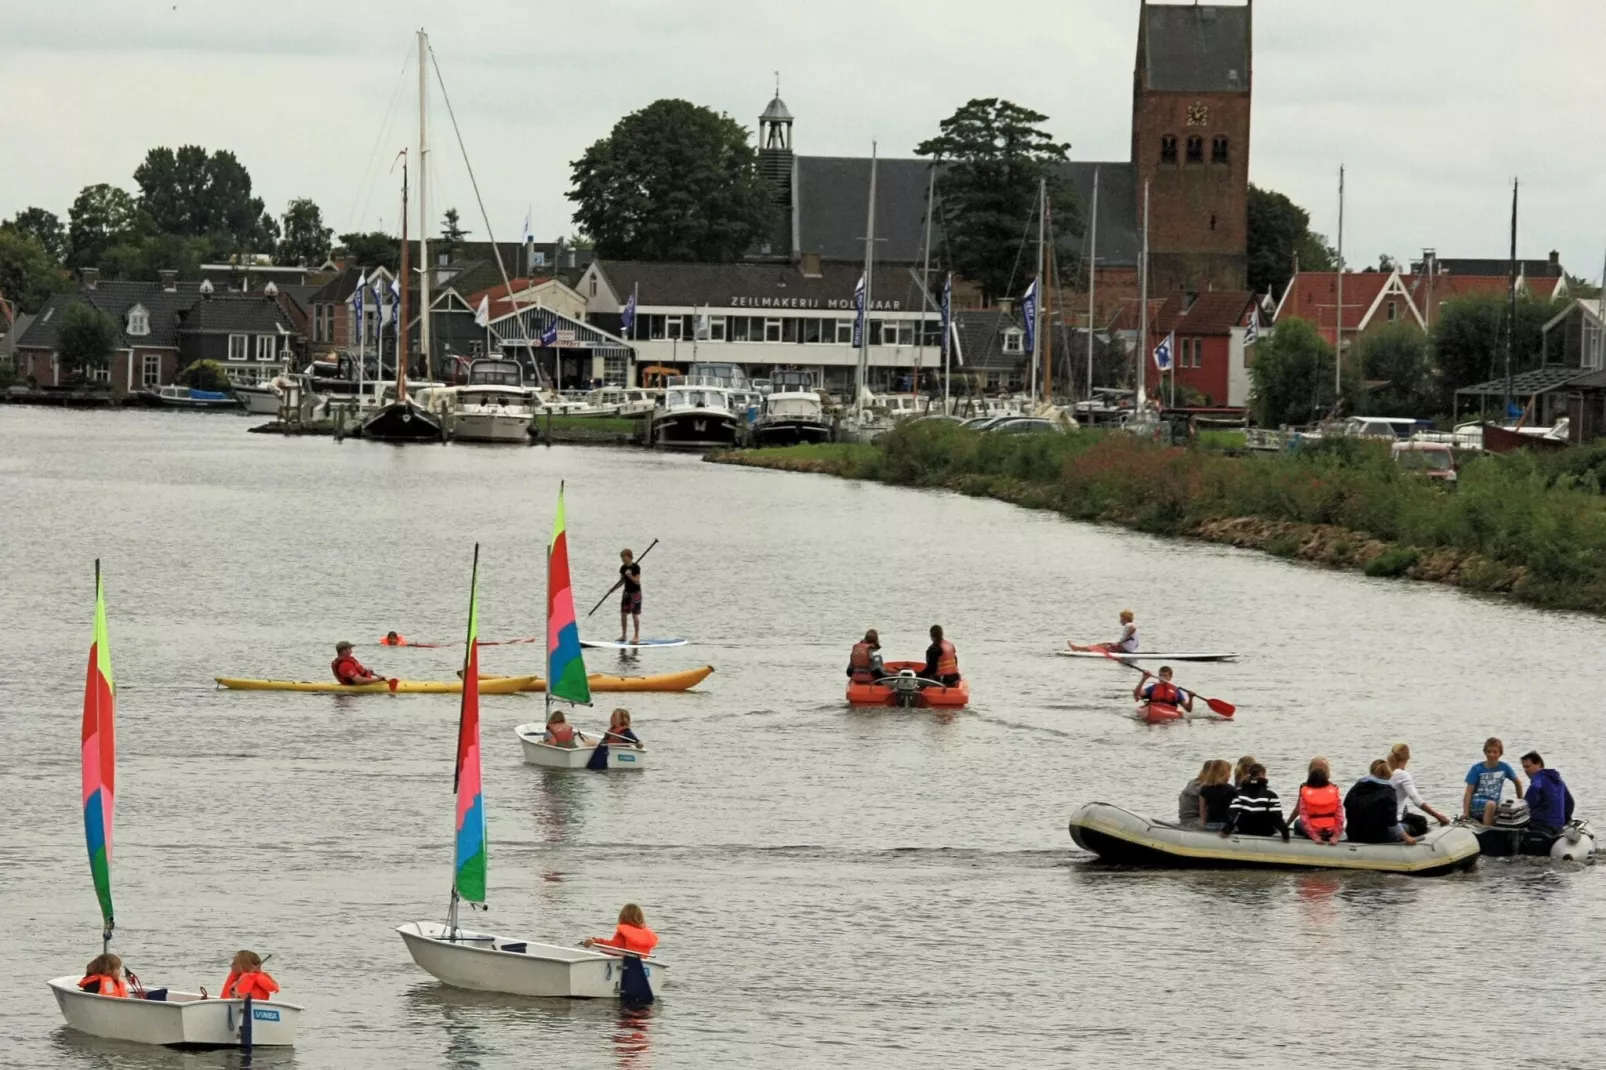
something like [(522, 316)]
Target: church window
[(1168, 148), (1218, 149), (1195, 149)]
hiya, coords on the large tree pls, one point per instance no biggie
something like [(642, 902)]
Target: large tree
[(101, 216), (145, 259), (1280, 234), (194, 193), (28, 273), (994, 154), (43, 226), (1398, 357), (86, 338), (673, 181), (1292, 375), (1469, 339), (372, 248), (304, 239)]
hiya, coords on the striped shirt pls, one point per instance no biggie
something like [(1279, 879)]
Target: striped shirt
[(1256, 811)]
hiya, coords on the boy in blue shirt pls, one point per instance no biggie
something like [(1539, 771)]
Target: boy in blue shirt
[(1485, 782)]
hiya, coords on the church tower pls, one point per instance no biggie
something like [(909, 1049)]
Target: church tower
[(1190, 142)]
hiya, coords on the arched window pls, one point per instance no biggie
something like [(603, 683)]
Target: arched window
[(139, 322), (1218, 149), (1168, 148), (1195, 149)]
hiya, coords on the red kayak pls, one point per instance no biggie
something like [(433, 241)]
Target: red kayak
[(1159, 712), (902, 686)]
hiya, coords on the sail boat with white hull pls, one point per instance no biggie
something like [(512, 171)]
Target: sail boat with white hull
[(137, 1013), (486, 962), (404, 420)]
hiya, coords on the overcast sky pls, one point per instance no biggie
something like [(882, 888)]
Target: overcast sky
[(1433, 105)]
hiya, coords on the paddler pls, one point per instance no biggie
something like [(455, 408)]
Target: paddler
[(392, 639), (942, 661), (630, 600), (1160, 691), (1127, 644), (864, 664), (348, 670)]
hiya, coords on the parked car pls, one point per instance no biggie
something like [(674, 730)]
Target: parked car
[(1024, 425), (982, 423), (1431, 459), (936, 417)]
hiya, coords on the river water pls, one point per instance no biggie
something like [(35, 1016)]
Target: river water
[(832, 887)]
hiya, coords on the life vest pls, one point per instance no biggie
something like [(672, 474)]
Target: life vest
[(348, 674), (400, 640), (104, 985), (257, 984), (1165, 694), (636, 939), (947, 660), (1320, 807), (861, 664), (562, 734)]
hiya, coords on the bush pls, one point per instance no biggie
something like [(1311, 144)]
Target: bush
[(205, 375), (1395, 561)]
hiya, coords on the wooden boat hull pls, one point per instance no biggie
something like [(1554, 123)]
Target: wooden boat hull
[(482, 962), (499, 685), (1502, 440), (182, 1020), (548, 756), (1120, 836), (402, 421), (684, 680), (878, 694)]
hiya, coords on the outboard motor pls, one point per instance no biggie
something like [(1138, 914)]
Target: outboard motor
[(1504, 838), (906, 688), (1575, 844)]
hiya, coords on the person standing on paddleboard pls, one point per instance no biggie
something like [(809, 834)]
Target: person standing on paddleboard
[(1127, 644), (630, 601)]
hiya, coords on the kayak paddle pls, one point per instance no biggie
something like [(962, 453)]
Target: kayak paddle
[(392, 682), (1218, 706), (621, 580)]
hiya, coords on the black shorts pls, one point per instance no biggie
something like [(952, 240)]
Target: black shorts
[(631, 602)]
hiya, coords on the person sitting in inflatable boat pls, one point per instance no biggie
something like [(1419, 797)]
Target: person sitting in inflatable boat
[(1550, 804)]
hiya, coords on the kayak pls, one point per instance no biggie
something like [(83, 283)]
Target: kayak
[(1120, 836), (684, 680), (500, 686), (1143, 656), (902, 687), (1159, 713)]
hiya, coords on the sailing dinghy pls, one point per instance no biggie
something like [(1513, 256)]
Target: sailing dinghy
[(485, 962), (146, 1015)]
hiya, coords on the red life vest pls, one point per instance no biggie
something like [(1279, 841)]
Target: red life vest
[(1166, 694), (860, 663), (948, 660), (400, 640), (636, 939), (562, 734), (101, 985), (257, 984), (1320, 807), (346, 669)]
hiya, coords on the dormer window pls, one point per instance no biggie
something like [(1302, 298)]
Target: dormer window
[(1014, 341), (139, 322)]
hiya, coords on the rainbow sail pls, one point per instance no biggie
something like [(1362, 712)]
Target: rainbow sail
[(565, 667), (100, 758), (469, 879)]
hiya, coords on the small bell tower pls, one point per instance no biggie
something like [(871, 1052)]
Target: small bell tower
[(775, 145)]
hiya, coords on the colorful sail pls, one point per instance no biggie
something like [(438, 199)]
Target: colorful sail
[(565, 667), (100, 758), (469, 879)]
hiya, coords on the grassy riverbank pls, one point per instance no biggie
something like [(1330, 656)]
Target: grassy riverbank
[(1530, 526)]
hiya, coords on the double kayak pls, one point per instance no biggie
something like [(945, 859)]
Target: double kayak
[(1120, 836), (505, 685), (684, 680), (903, 686)]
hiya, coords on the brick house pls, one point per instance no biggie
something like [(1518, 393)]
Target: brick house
[(1207, 335)]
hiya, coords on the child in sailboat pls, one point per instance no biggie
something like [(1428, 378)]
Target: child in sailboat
[(631, 934), (619, 732), (248, 978), (560, 733), (104, 977)]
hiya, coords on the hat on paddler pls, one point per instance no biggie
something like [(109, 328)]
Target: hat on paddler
[(342, 645)]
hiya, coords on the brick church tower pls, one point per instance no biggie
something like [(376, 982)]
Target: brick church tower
[(1190, 143)]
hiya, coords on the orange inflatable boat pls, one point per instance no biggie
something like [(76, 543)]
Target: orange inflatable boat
[(902, 686)]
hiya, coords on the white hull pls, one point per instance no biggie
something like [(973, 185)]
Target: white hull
[(1144, 656), (550, 757), (184, 1019), (511, 426), (258, 401), (485, 963)]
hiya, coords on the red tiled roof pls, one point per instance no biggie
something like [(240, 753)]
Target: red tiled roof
[(500, 301), (1218, 312), (1314, 298)]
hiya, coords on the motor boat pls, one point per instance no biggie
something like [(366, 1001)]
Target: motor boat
[(493, 406), (630, 403), (694, 416), (552, 756), (903, 686), (260, 399), (1513, 834), (184, 397), (793, 413)]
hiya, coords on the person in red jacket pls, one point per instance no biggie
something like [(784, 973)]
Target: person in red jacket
[(348, 670), (248, 978), (631, 935)]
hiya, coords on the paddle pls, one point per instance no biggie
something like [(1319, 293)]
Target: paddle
[(1219, 706), (621, 579), (392, 682)]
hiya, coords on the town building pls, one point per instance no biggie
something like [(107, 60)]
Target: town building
[(1207, 336)]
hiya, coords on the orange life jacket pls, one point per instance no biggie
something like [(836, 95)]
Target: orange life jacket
[(948, 661), (104, 985), (562, 734), (400, 640), (1320, 807), (257, 984), (860, 663), (636, 939)]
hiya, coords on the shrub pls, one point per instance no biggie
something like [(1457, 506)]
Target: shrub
[(1395, 561), (205, 375)]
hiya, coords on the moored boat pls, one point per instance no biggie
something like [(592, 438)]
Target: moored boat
[(903, 686), (499, 685), (694, 417), (1123, 837), (792, 413), (184, 397)]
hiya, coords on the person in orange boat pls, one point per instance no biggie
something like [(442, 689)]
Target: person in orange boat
[(348, 670), (104, 977), (631, 935), (248, 978), (864, 663), (942, 661), (392, 639), (1160, 691), (1127, 644)]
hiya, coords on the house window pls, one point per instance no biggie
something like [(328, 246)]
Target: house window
[(1014, 342), (264, 347), (150, 370), (593, 286), (844, 332), (739, 329), (674, 327), (1195, 149), (772, 330), (1393, 310), (1198, 352), (1218, 149), (139, 322), (613, 370), (811, 331), (1168, 148), (716, 328), (897, 333), (239, 347), (102, 374)]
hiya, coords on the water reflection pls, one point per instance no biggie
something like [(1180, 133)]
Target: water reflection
[(631, 1046), (83, 1049)]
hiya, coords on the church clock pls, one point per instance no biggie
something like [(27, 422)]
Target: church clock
[(1198, 114)]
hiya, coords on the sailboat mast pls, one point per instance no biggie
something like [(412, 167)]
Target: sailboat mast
[(400, 311), (1092, 268), (423, 214), (1338, 323), (1050, 273), (925, 281), (1036, 325), (869, 268), (1511, 300), (1142, 354)]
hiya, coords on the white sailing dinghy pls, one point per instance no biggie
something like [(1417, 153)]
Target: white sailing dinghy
[(551, 756), (145, 1015), (486, 962)]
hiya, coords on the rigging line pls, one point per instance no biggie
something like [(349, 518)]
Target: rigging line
[(472, 181), (364, 191)]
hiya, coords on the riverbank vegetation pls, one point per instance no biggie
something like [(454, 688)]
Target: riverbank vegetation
[(1532, 526)]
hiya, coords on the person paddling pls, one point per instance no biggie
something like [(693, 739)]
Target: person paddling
[(1160, 691), (942, 660), (348, 670), (630, 601), (1127, 644)]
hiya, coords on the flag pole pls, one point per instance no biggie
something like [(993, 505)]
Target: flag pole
[(1141, 397), (1092, 283)]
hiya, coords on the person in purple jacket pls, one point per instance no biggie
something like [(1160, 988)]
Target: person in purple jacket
[(1550, 804)]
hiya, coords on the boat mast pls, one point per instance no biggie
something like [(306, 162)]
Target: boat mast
[(1050, 275), (400, 311), (1142, 354), (423, 215), (869, 264), (1338, 323), (1037, 319), (1511, 302), (925, 281), (1092, 266)]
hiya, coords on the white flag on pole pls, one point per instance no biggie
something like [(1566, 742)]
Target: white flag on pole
[(482, 315)]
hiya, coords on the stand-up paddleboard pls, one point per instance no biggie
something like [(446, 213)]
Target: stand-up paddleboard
[(1144, 655), (645, 644)]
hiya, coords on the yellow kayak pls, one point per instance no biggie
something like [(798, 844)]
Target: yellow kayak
[(505, 685), (684, 680)]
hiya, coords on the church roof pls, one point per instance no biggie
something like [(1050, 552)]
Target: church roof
[(776, 111), (1196, 48)]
